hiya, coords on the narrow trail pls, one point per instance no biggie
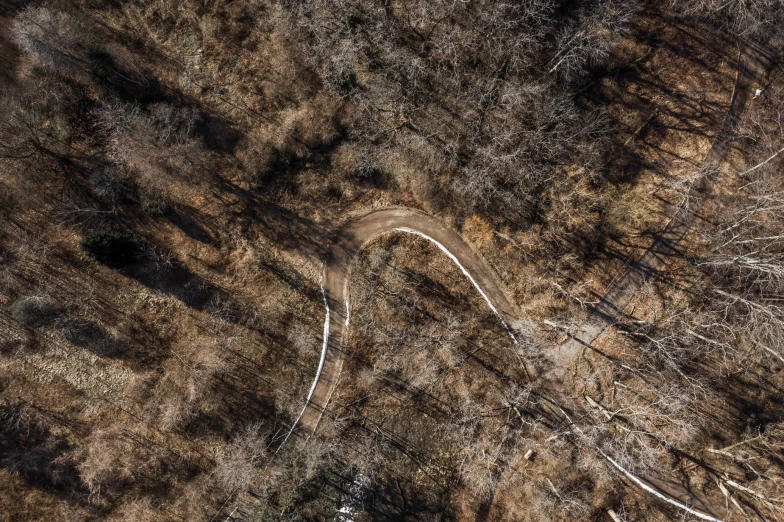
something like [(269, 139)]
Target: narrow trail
[(753, 63), (337, 273)]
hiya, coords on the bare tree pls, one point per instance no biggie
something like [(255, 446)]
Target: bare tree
[(762, 130), (112, 459), (753, 18), (455, 86), (238, 463), (184, 388), (588, 40), (157, 142), (49, 37), (747, 264), (35, 127)]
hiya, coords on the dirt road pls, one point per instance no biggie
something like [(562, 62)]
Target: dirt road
[(337, 271), (336, 276), (753, 63)]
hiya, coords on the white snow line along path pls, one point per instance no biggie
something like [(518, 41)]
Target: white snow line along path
[(324, 346), (637, 481), (649, 489), (468, 275)]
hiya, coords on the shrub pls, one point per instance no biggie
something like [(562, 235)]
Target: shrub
[(104, 184), (115, 248), (47, 37), (155, 206), (33, 311)]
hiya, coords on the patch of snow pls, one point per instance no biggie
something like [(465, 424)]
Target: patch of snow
[(649, 489), (352, 502), (324, 346), (639, 482)]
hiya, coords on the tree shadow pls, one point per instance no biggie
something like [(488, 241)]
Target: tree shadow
[(175, 279), (88, 335), (240, 408), (31, 451), (642, 84), (287, 229), (9, 53), (393, 500), (217, 133), (187, 220), (290, 276), (115, 80)]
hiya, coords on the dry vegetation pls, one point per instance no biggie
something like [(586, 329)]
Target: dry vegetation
[(171, 173)]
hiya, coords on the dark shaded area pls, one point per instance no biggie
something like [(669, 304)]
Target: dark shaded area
[(114, 81), (30, 450), (291, 277), (9, 53), (240, 408), (287, 229), (186, 220), (33, 311), (217, 133), (293, 158), (396, 500), (172, 278), (89, 335), (372, 176), (114, 248), (155, 206), (11, 7)]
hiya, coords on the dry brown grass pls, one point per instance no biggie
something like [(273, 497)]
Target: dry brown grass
[(154, 380)]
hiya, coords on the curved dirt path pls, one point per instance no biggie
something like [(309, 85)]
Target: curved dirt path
[(334, 287), (753, 63), (353, 236)]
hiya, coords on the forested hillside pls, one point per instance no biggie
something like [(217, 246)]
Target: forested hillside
[(174, 173)]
